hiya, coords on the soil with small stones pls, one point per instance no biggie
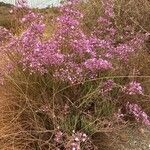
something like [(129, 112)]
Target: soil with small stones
[(130, 138), (135, 139)]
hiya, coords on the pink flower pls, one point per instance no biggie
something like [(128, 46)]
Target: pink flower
[(107, 86), (77, 139), (97, 64), (138, 113), (32, 17), (11, 11), (109, 7), (133, 88), (58, 136)]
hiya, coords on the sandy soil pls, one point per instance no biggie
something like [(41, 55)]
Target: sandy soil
[(129, 138), (134, 139)]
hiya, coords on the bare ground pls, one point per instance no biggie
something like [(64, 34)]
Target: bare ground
[(130, 138), (134, 139)]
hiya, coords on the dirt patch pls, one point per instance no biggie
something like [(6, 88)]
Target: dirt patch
[(130, 138), (137, 138)]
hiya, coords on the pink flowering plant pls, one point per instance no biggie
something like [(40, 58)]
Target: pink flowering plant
[(76, 77)]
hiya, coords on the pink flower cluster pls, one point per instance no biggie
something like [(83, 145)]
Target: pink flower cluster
[(69, 34), (72, 142), (70, 72), (107, 86), (32, 17), (133, 88), (76, 140), (71, 54), (106, 36), (58, 138), (109, 7), (97, 64), (138, 113)]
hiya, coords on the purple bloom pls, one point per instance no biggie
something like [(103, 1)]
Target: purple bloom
[(32, 17), (138, 113), (97, 64), (133, 88), (109, 7), (107, 86)]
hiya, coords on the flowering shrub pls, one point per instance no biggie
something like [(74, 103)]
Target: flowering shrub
[(75, 76), (70, 46)]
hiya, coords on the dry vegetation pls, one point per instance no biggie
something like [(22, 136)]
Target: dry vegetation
[(23, 123)]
